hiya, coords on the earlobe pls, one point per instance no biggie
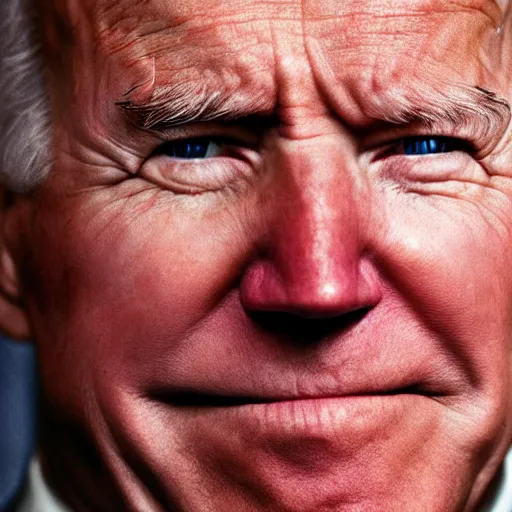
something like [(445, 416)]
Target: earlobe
[(13, 318)]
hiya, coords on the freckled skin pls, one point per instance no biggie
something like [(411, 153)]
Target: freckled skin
[(311, 270)]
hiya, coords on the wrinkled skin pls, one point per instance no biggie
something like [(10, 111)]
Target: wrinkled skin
[(309, 320)]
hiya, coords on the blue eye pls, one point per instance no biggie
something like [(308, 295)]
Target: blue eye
[(416, 146), (188, 149)]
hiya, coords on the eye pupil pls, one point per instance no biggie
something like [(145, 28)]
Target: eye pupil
[(187, 149), (194, 149), (428, 145)]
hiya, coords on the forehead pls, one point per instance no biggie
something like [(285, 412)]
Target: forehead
[(239, 46), (236, 24), (147, 16), (181, 10)]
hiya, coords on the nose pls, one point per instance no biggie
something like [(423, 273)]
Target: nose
[(312, 261)]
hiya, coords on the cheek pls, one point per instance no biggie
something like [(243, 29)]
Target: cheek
[(107, 296), (449, 260)]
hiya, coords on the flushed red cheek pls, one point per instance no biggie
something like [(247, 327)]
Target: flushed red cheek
[(132, 292)]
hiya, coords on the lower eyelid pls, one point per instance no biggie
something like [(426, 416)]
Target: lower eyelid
[(439, 167), (195, 176)]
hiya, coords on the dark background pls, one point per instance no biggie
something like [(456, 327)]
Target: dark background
[(17, 414)]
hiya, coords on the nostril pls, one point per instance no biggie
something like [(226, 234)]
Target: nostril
[(303, 330)]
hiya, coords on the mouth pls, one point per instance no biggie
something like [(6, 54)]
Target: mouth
[(348, 414), (358, 416), (198, 400)]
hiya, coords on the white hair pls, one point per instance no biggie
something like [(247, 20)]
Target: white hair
[(24, 104)]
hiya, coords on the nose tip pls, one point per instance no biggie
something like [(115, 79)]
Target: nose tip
[(310, 293)]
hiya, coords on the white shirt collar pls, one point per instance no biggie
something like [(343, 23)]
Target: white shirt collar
[(502, 500), (39, 498)]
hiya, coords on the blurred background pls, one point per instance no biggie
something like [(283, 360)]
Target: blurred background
[(17, 414)]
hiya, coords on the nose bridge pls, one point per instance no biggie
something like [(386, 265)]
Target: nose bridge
[(315, 226), (314, 247)]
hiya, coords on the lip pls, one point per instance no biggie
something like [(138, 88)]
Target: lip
[(332, 412), (199, 399), (359, 418), (227, 384)]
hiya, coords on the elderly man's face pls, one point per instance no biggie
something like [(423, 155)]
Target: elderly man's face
[(270, 268)]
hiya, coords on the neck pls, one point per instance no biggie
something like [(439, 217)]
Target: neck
[(74, 470)]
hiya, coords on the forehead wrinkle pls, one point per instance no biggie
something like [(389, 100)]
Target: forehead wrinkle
[(157, 18), (317, 10), (401, 45), (488, 8)]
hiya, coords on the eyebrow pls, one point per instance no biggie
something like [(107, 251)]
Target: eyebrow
[(475, 109), (176, 105)]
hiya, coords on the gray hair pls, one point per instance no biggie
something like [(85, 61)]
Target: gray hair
[(24, 104)]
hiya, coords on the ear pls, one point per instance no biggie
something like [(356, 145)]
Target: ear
[(14, 321)]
